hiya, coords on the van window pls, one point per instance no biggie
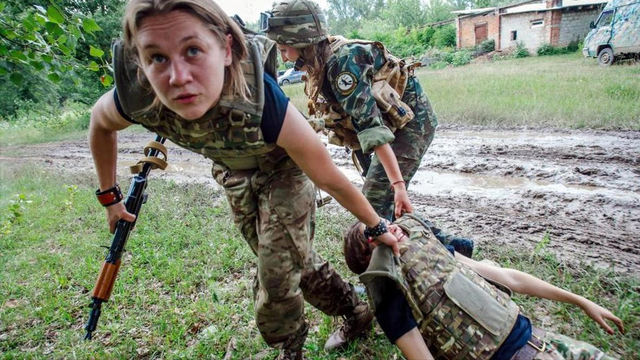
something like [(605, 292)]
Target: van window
[(605, 18)]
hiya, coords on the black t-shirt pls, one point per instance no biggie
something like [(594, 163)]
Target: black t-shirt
[(394, 316), (273, 113)]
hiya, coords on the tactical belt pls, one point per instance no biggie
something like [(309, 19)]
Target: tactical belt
[(534, 345)]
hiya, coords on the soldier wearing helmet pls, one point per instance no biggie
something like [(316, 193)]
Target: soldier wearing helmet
[(367, 99)]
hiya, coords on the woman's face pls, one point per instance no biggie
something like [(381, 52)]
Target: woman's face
[(184, 62), (288, 53)]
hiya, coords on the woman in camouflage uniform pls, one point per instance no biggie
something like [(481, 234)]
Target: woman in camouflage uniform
[(369, 99), (187, 72), (430, 302)]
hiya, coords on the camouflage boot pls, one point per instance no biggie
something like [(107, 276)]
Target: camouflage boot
[(354, 325)]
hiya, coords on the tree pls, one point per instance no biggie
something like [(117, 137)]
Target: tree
[(405, 13), (346, 15), (45, 38)]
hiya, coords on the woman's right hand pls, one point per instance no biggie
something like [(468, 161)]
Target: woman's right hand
[(116, 212)]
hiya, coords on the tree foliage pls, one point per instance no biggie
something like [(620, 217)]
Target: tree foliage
[(58, 45), (45, 38)]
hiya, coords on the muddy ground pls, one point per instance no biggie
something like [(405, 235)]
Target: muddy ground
[(507, 186)]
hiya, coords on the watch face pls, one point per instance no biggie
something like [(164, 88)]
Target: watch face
[(346, 83)]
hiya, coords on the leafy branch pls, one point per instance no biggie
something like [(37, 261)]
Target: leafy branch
[(47, 39)]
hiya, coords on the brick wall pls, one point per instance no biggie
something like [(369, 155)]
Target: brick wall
[(574, 25), (532, 37), (467, 27)]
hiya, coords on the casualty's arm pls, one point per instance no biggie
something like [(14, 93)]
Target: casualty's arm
[(306, 150), (103, 127), (524, 283), (413, 347)]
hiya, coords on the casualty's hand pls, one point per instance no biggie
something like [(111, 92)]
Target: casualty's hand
[(600, 314), (389, 240), (117, 212), (401, 200)]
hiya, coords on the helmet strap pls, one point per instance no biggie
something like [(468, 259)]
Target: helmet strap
[(299, 64)]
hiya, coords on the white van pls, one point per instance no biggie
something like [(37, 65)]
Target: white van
[(616, 32)]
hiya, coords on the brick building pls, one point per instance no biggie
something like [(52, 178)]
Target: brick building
[(534, 23)]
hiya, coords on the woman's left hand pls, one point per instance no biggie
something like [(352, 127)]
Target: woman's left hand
[(600, 314), (401, 200)]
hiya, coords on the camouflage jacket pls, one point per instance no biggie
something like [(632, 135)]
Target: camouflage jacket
[(459, 314), (229, 133), (349, 110)]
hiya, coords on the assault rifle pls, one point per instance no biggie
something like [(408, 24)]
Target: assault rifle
[(135, 198), (362, 161)]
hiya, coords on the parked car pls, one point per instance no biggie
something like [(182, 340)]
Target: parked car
[(291, 76), (616, 33)]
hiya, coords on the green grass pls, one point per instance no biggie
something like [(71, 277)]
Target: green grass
[(565, 91), (184, 289)]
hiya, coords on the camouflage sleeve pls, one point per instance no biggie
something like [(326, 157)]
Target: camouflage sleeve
[(351, 76)]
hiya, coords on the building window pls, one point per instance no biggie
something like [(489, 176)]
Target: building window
[(514, 35), (537, 23)]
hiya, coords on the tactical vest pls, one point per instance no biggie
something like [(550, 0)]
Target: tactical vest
[(389, 83), (459, 314), (229, 133)]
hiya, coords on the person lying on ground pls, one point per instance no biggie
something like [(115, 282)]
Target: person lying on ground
[(431, 301)]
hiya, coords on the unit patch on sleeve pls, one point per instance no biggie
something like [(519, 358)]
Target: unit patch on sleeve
[(345, 82)]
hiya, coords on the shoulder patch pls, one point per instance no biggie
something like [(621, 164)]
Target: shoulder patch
[(345, 82)]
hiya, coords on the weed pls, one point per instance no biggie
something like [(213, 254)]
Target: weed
[(521, 51), (15, 211)]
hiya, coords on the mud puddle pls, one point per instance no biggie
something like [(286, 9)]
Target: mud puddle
[(505, 186)]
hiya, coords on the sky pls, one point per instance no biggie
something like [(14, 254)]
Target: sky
[(249, 10)]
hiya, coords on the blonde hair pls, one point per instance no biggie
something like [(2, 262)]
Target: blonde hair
[(212, 16)]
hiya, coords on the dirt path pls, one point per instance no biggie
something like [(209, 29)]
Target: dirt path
[(501, 186)]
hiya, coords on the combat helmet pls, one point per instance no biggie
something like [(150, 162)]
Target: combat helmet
[(297, 23)]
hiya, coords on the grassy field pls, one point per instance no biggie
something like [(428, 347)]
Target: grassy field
[(564, 91), (184, 289)]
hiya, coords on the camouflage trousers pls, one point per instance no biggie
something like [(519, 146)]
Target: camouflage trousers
[(409, 146), (560, 347), (275, 212)]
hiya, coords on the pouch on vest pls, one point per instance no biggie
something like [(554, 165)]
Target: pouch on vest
[(390, 103), (479, 304)]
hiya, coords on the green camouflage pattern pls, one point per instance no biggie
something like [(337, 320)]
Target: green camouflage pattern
[(229, 133), (450, 330), (410, 145), (622, 33), (275, 212), (297, 23), (560, 347), (352, 118)]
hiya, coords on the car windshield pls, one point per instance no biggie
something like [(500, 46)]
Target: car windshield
[(288, 72), (605, 19)]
